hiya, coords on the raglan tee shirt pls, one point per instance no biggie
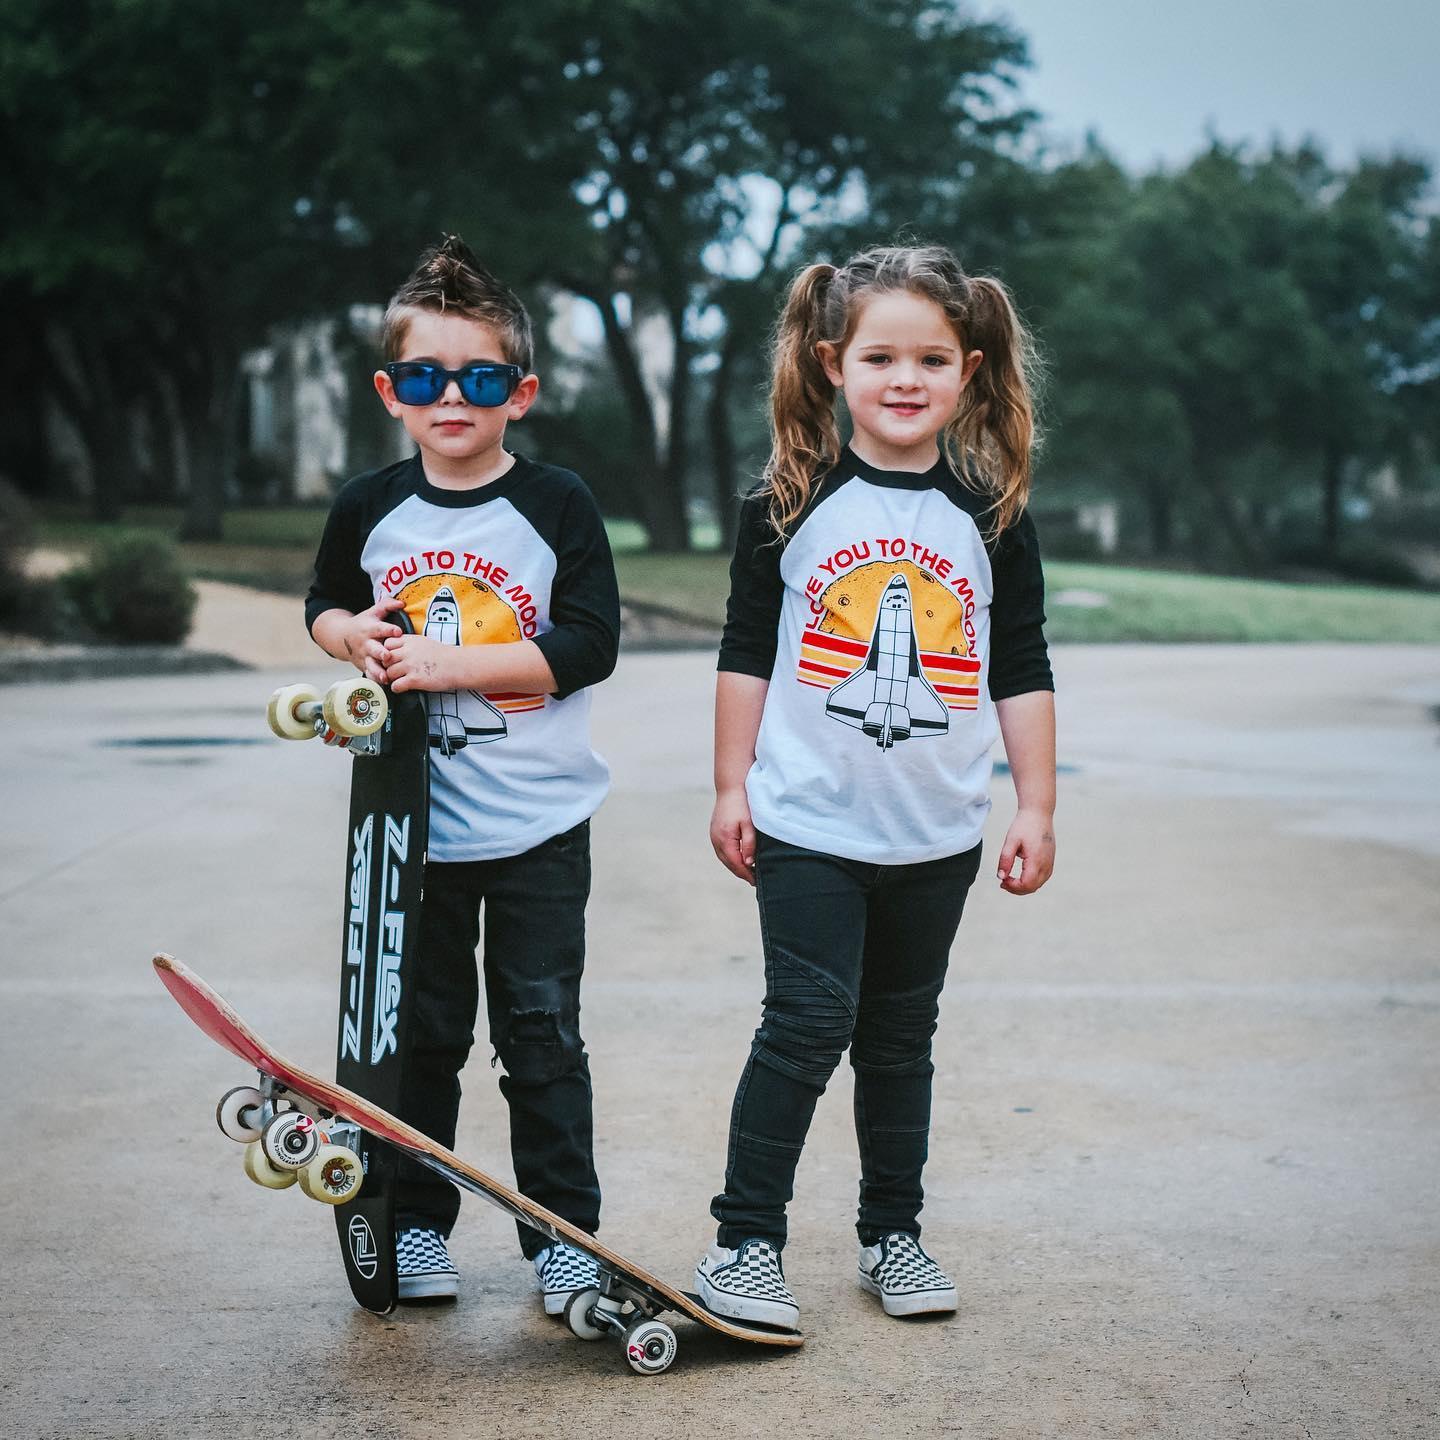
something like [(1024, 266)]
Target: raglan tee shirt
[(524, 557), (887, 626)]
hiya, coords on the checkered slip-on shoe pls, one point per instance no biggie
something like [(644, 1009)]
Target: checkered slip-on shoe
[(747, 1284), (563, 1270), (424, 1266), (905, 1278)]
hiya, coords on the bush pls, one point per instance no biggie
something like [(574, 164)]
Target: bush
[(134, 590), (1360, 559)]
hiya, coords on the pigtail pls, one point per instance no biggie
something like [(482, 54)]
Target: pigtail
[(804, 438), (990, 440)]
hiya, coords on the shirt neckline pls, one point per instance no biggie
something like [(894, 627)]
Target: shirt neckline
[(939, 472), (478, 495)]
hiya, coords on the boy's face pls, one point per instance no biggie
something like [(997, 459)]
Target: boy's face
[(451, 428)]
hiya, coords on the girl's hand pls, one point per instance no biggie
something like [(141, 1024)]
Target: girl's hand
[(413, 662), (733, 835), (1031, 837), (365, 634)]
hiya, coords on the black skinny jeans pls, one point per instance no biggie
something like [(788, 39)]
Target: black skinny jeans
[(855, 955), (534, 909)]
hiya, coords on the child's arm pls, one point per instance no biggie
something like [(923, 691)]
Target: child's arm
[(739, 704), (361, 638), (414, 662), (1027, 723)]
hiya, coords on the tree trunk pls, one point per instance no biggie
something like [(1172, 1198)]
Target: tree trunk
[(1160, 511), (658, 514), (719, 428), (209, 418), (677, 449), (88, 401), (1232, 526), (1332, 477)]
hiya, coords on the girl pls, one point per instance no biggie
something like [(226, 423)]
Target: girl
[(884, 623)]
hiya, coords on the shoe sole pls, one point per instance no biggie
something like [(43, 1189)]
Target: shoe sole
[(740, 1307), (428, 1287), (917, 1302), (557, 1300)]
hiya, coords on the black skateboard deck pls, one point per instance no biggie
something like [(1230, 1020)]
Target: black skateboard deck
[(384, 878)]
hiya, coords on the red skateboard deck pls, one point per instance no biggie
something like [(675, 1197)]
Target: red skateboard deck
[(630, 1299)]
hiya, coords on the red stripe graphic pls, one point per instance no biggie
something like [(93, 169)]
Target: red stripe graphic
[(837, 643), (816, 668), (949, 662)]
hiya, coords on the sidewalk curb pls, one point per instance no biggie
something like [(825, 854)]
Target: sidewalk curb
[(109, 662)]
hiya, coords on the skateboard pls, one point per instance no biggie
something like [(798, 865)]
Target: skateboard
[(384, 875), (296, 1127)]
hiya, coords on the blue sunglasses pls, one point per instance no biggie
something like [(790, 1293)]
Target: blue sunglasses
[(419, 383)]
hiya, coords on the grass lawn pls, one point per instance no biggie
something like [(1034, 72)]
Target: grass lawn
[(273, 549)]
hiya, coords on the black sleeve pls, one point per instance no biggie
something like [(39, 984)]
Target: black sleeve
[(584, 599), (1019, 660), (340, 582), (752, 614)]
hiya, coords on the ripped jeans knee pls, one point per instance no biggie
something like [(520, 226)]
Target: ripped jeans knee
[(537, 1047)]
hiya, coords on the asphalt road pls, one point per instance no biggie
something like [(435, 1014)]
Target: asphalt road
[(1185, 1157)]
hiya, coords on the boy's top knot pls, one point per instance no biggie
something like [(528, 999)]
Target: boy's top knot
[(449, 277), (451, 269)]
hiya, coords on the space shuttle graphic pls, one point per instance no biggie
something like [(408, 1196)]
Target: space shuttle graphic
[(457, 717), (889, 697)]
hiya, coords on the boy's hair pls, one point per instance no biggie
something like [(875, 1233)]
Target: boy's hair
[(449, 277), (989, 438)]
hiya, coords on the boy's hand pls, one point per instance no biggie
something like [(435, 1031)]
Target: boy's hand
[(1031, 837), (733, 835), (365, 634), (413, 662)]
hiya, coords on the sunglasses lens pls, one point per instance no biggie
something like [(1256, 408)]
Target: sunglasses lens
[(486, 387), (417, 384)]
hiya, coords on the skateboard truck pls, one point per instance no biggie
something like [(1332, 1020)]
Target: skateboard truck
[(351, 713), (615, 1308), (288, 1141)]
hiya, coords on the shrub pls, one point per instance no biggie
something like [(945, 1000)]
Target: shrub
[(1360, 559), (134, 590)]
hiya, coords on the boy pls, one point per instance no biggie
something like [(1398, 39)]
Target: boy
[(503, 568)]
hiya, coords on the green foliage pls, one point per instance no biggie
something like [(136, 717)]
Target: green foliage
[(134, 590)]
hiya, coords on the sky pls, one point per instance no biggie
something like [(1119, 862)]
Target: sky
[(1152, 79)]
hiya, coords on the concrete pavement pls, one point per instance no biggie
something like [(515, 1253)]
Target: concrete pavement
[(1185, 1155)]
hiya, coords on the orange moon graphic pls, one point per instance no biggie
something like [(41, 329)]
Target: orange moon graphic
[(484, 617), (852, 601)]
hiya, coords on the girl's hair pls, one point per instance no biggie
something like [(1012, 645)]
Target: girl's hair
[(448, 278), (989, 438)]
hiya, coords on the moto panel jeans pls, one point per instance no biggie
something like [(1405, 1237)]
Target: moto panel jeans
[(855, 956)]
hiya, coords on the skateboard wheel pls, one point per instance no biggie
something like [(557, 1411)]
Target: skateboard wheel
[(281, 712), (577, 1315), (333, 1176), (650, 1347), (355, 707), (262, 1172), (237, 1113), (291, 1140)]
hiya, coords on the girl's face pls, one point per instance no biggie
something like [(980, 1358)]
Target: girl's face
[(902, 375)]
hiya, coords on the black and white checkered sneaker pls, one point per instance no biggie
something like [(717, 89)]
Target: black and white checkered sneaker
[(424, 1265), (905, 1278), (563, 1270), (747, 1284)]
